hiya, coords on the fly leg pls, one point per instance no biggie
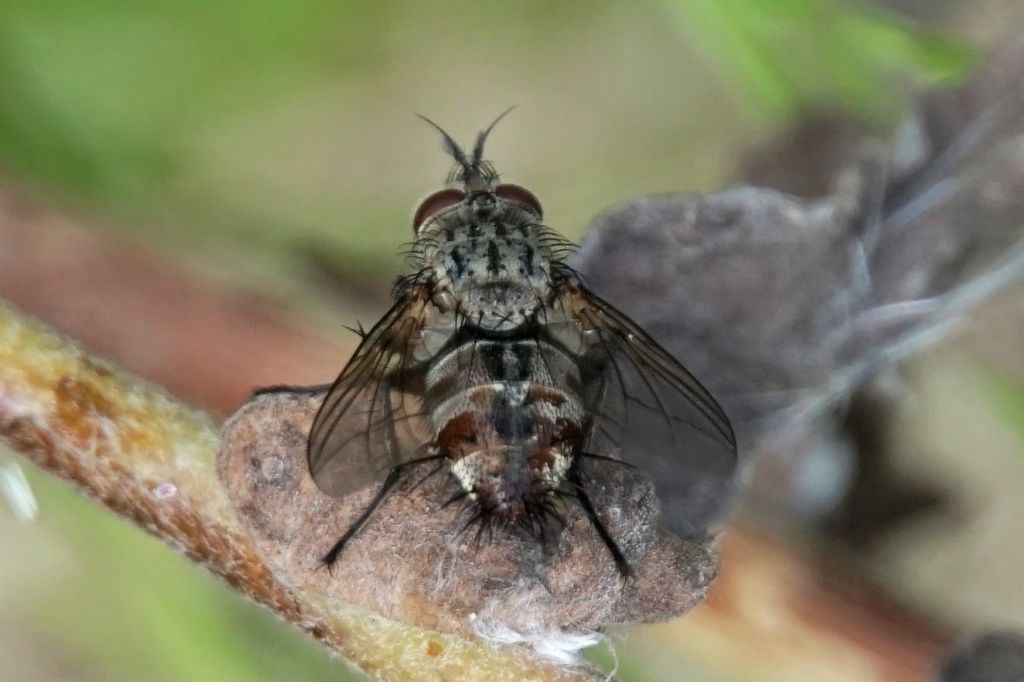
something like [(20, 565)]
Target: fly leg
[(383, 400), (575, 478), (393, 478), (283, 388)]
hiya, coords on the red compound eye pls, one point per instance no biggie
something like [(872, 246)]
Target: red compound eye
[(520, 195), (434, 204)]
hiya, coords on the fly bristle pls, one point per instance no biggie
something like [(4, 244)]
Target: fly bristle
[(535, 520), (358, 330)]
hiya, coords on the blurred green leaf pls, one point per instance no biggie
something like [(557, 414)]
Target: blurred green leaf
[(1008, 399), (791, 55), (98, 96), (131, 609), (43, 143), (129, 103)]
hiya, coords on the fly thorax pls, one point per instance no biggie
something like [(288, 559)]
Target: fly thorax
[(495, 270)]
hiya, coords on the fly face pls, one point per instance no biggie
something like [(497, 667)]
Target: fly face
[(496, 361), (484, 246)]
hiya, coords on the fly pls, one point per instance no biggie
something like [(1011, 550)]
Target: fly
[(496, 363)]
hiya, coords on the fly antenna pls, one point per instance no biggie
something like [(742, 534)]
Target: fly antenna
[(478, 148), (472, 171), (451, 146)]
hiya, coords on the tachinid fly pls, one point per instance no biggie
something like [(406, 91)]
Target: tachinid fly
[(495, 360)]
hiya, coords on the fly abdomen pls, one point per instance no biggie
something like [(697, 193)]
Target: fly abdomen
[(507, 419)]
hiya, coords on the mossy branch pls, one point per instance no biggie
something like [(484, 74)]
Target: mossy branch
[(131, 447)]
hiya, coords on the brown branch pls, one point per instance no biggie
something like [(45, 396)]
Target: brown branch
[(119, 300), (146, 457)]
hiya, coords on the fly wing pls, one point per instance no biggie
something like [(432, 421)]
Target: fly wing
[(650, 411), (371, 419)]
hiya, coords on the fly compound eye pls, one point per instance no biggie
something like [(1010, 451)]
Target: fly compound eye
[(434, 204), (520, 195)]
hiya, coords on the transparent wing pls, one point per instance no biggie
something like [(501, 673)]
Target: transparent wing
[(650, 411), (371, 419)]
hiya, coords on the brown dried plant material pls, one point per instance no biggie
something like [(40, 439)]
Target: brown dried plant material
[(788, 307), (410, 563), (996, 656), (129, 446)]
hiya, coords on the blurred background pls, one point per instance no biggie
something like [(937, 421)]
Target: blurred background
[(205, 193)]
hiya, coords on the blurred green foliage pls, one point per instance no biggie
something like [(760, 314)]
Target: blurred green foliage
[(127, 608), (1007, 397), (98, 94), (792, 55), (133, 105)]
